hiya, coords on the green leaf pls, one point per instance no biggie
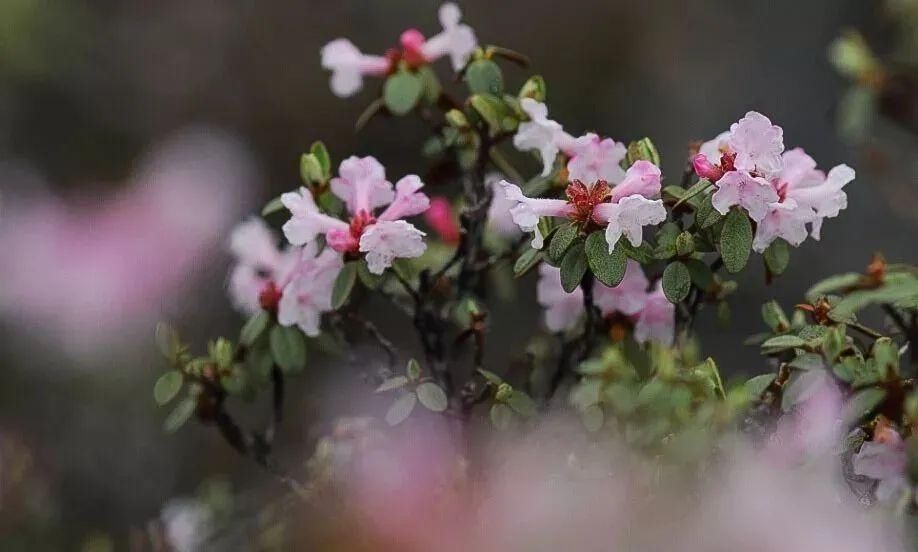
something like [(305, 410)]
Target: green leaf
[(234, 382), (179, 415), (889, 293), (706, 215), (642, 254), (272, 207), (491, 377), (757, 385), (253, 328), (167, 341), (402, 91), (694, 190), (526, 261), (777, 256), (288, 348), (367, 278), (609, 268), (700, 273), (861, 404), (802, 386), (642, 150), (521, 403), (533, 88), (885, 354), (774, 317), (782, 343), (490, 108), (833, 343), (832, 284), (430, 83), (736, 241), (483, 76), (573, 267), (561, 240), (808, 361), (676, 282), (413, 370), (401, 408), (344, 283), (392, 383), (320, 152), (310, 169), (167, 386), (432, 396), (501, 416)]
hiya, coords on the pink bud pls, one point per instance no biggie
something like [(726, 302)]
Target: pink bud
[(441, 218), (705, 169), (412, 41)]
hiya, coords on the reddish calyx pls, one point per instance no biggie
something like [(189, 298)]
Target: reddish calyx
[(584, 199), (270, 297), (411, 42), (705, 169)]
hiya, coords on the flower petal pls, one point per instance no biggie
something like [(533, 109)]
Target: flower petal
[(385, 241)]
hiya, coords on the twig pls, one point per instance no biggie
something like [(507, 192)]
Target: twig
[(374, 332)]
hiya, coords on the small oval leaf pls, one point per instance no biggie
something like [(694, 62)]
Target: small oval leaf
[(401, 408), (676, 282), (344, 283), (288, 348), (573, 267), (432, 396), (402, 92), (167, 386), (253, 328), (609, 268), (736, 241)]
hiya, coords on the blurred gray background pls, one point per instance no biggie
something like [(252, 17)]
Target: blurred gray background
[(86, 87)]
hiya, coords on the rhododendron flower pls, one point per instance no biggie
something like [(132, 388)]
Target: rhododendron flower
[(781, 190), (457, 40), (805, 196), (883, 459), (261, 269), (362, 185), (593, 158), (562, 309), (656, 321), (442, 219), (622, 210), (348, 65), (541, 134), (628, 297), (308, 294), (499, 218)]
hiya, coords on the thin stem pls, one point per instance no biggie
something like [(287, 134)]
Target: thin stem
[(380, 339)]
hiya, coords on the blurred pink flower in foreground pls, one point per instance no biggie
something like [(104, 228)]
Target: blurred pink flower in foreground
[(556, 489), (91, 267)]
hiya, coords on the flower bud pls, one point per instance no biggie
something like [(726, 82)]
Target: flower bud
[(685, 244), (310, 169), (457, 118), (642, 150), (705, 169), (533, 88)]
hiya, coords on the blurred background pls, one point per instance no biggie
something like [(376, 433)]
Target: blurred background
[(134, 134)]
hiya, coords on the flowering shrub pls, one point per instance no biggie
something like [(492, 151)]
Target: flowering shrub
[(626, 257)]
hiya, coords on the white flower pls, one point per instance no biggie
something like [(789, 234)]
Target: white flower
[(656, 321), (308, 294), (628, 217), (540, 134), (499, 218), (827, 198), (408, 201), (594, 158), (527, 211), (714, 149), (348, 66), (307, 221), (186, 524), (457, 40), (785, 220), (387, 240)]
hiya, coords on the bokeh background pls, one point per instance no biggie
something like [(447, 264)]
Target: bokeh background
[(100, 99)]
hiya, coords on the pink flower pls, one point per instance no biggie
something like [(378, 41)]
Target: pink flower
[(562, 309), (625, 212), (593, 158), (541, 134), (758, 145), (442, 219), (752, 193), (628, 297), (348, 65), (261, 267), (883, 459), (362, 185), (95, 269), (805, 196), (656, 321), (308, 294)]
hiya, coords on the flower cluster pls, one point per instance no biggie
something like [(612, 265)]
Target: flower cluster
[(296, 283), (782, 191), (600, 192), (349, 65), (362, 186), (650, 312)]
